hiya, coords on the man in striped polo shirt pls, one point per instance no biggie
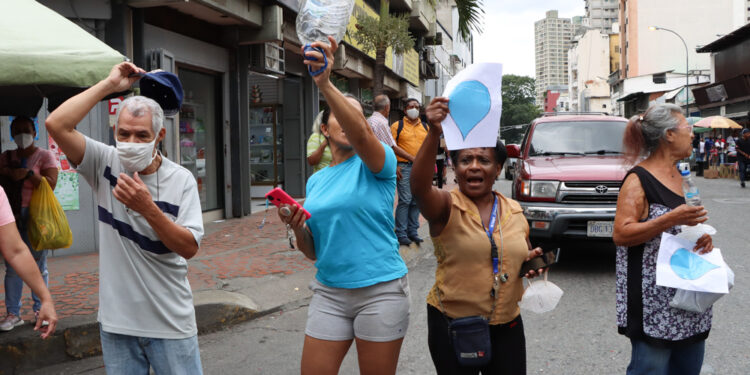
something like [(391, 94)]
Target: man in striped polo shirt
[(150, 222)]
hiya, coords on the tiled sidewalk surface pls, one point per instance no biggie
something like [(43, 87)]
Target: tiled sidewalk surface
[(233, 248), (230, 249)]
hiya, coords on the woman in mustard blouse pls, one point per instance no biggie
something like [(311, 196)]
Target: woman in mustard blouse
[(466, 282)]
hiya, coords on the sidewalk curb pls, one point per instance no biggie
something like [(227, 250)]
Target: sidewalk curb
[(22, 350)]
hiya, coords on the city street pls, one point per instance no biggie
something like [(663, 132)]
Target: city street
[(239, 103), (578, 337)]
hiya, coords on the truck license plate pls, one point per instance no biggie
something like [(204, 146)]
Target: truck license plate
[(600, 228)]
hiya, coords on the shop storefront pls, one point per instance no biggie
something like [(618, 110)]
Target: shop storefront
[(266, 134), (200, 134), (196, 137), (281, 109)]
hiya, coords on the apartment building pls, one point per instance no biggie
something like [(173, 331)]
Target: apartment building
[(588, 68), (601, 14), (646, 51), (552, 39), (448, 57)]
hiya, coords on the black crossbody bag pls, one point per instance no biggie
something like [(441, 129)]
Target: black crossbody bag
[(470, 335)]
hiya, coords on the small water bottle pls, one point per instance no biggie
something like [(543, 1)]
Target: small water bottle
[(317, 19), (692, 196)]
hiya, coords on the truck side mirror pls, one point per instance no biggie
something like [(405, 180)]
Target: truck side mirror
[(514, 151)]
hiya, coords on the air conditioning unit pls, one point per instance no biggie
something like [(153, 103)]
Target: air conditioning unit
[(267, 58), (436, 40), (428, 70), (429, 55), (659, 78)]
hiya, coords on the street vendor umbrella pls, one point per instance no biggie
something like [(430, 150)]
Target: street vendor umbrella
[(44, 55), (717, 122), (694, 120)]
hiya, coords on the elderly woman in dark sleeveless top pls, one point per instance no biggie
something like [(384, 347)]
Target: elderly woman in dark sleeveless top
[(465, 282), (664, 340)]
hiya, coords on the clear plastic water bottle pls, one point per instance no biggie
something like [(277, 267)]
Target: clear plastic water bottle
[(317, 19), (692, 196)]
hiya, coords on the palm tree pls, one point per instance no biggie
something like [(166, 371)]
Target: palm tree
[(377, 35), (392, 30), (470, 14)]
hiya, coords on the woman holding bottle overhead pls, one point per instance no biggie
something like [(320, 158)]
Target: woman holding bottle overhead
[(360, 290)]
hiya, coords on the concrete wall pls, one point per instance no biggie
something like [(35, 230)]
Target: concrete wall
[(589, 63), (593, 57), (614, 52), (696, 21)]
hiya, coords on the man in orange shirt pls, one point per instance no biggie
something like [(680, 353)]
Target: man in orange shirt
[(409, 134)]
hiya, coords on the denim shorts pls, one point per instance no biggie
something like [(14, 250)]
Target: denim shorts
[(125, 355), (378, 313)]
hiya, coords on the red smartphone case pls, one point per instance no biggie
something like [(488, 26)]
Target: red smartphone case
[(279, 197)]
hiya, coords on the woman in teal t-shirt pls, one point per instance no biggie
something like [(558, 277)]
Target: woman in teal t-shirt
[(360, 291)]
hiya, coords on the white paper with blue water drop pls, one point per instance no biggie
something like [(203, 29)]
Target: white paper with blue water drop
[(678, 266), (475, 105)]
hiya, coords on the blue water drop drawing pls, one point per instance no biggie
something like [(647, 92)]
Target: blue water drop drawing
[(469, 103), (688, 265)]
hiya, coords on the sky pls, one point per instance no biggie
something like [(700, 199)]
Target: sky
[(508, 31)]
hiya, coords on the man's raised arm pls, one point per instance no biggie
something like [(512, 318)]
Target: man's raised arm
[(61, 124)]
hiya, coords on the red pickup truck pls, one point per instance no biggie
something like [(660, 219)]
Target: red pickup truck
[(569, 171)]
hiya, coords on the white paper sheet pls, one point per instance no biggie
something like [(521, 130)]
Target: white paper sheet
[(678, 266), (475, 104)]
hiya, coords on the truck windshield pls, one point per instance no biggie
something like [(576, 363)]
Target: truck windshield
[(577, 138)]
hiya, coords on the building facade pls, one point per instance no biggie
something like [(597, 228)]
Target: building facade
[(552, 38), (448, 57), (588, 68), (653, 53), (645, 51), (601, 14), (729, 92), (249, 102), (556, 99)]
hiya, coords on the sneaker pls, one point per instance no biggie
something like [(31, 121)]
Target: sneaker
[(417, 240), (9, 322), (36, 318), (742, 184), (404, 241)]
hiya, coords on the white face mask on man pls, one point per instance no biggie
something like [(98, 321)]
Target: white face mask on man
[(412, 113), (23, 140), (135, 157)]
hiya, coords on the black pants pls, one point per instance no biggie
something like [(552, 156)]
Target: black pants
[(440, 169), (508, 347)]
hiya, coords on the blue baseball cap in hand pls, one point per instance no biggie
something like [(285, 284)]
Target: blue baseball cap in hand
[(165, 88)]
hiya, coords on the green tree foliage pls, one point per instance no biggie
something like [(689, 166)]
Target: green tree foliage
[(390, 30), (470, 14), (518, 100)]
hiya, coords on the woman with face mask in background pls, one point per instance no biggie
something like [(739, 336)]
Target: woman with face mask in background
[(26, 166)]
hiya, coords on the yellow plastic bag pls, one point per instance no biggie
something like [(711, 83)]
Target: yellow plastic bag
[(48, 225)]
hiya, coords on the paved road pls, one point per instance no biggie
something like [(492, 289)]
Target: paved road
[(579, 337)]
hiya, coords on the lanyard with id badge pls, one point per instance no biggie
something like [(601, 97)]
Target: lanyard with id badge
[(470, 335)]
